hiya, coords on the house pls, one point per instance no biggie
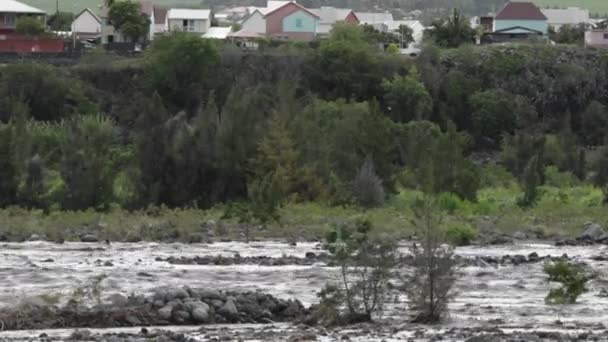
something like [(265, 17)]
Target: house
[(11, 10), (415, 25), (283, 20), (520, 20), (371, 18), (572, 16), (110, 35), (596, 38), (188, 20), (329, 16), (256, 19), (160, 18), (86, 25)]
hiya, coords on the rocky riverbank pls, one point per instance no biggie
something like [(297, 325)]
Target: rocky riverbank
[(176, 306)]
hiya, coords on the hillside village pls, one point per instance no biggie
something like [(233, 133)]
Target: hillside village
[(284, 21)]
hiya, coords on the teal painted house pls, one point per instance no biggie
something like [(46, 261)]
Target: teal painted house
[(300, 22), (520, 18)]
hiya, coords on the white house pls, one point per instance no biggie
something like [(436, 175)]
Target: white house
[(188, 20), (566, 16), (11, 10), (256, 21), (87, 25)]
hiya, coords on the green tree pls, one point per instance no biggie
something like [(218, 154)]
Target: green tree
[(531, 180), (429, 288), (60, 21), (88, 164), (30, 26), (366, 266), (332, 64), (406, 35), (456, 90), (601, 172), (452, 31), (275, 165), (435, 161), (8, 172), (392, 49), (493, 115), (568, 34), (127, 18), (47, 94), (180, 84), (407, 98), (594, 124)]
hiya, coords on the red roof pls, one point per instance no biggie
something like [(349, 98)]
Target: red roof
[(160, 13), (297, 5), (520, 11)]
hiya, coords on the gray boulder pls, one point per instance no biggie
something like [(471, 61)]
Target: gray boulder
[(177, 293), (165, 312), (210, 294), (519, 235), (591, 231), (181, 316), (35, 237), (201, 314), (229, 309), (89, 238), (118, 300)]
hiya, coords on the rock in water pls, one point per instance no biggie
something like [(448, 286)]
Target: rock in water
[(591, 231), (89, 238), (229, 309)]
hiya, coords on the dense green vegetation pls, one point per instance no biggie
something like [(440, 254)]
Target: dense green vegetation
[(493, 131)]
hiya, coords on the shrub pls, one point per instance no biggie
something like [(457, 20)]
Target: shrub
[(366, 264), (367, 186), (429, 287), (461, 235), (530, 183), (496, 176), (573, 279), (554, 177), (30, 26)]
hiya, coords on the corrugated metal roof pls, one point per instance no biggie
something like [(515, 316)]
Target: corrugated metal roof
[(182, 13), (217, 32), (520, 11), (331, 15), (12, 6), (371, 18), (566, 16)]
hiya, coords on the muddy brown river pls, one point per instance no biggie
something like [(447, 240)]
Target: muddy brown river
[(510, 298)]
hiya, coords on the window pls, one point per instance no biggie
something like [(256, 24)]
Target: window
[(110, 39), (9, 20), (299, 23), (605, 36), (188, 25)]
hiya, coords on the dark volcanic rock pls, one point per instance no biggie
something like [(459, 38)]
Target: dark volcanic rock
[(167, 307), (310, 259)]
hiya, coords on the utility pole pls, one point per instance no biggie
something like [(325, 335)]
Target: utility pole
[(57, 6)]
